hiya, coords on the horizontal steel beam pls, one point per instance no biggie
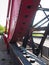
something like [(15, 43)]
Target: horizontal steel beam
[(45, 9)]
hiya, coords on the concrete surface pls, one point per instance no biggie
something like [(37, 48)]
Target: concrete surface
[(4, 57)]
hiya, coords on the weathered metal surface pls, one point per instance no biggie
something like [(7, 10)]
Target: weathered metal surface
[(22, 15)]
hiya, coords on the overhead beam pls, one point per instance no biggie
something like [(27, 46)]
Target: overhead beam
[(45, 9)]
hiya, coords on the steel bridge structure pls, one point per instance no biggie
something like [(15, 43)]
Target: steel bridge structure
[(20, 28)]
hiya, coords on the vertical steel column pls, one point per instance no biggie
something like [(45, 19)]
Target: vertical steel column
[(10, 16), (42, 41), (9, 2)]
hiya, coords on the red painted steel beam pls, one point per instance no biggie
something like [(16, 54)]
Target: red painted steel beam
[(22, 14), (14, 15), (5, 35), (9, 3), (8, 12), (12, 2)]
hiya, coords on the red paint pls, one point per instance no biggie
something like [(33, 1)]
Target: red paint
[(22, 14), (19, 29)]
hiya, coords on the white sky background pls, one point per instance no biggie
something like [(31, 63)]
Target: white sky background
[(40, 15), (3, 11)]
